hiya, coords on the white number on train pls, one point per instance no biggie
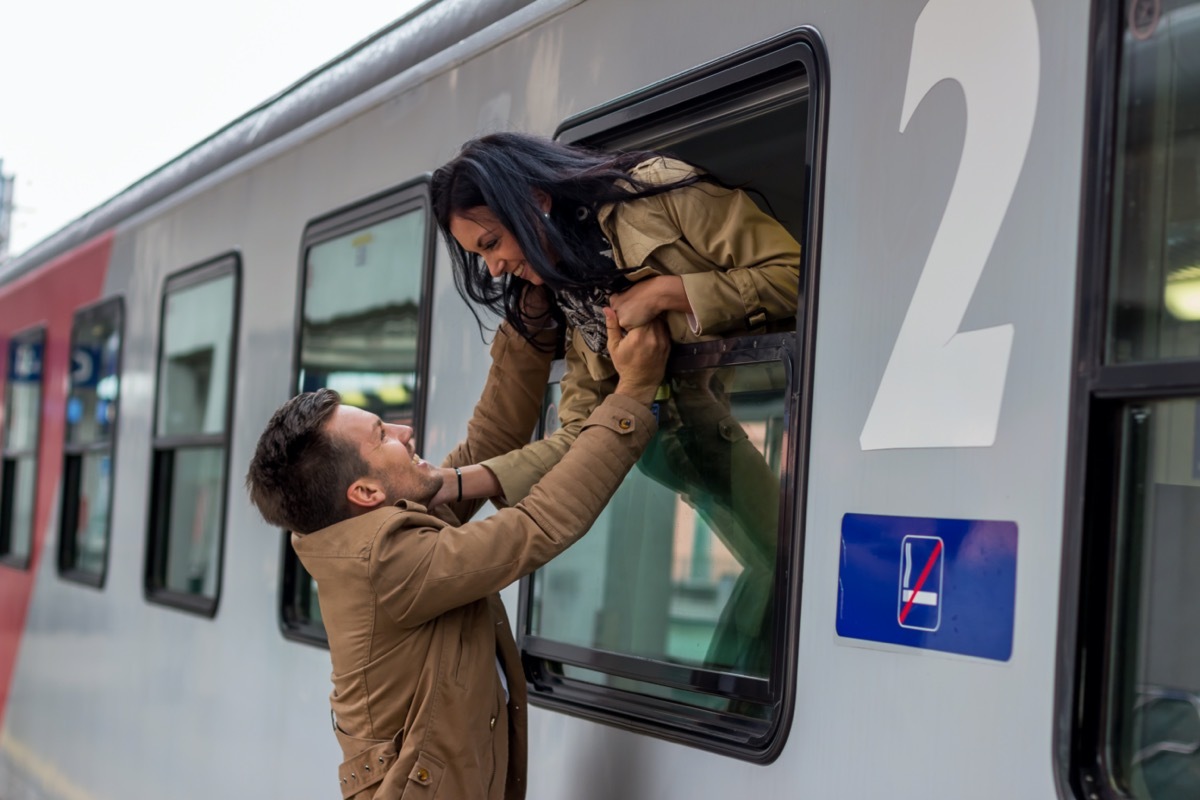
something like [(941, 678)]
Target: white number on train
[(943, 388)]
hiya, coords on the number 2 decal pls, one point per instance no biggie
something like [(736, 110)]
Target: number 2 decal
[(943, 388)]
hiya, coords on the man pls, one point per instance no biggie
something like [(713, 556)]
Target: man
[(428, 692)]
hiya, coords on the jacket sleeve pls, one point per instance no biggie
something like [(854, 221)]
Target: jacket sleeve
[(518, 470), (757, 279), (419, 573), (509, 407)]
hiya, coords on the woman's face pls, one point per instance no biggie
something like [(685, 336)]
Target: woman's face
[(478, 231)]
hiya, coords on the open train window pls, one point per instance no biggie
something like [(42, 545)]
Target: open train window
[(88, 453), (362, 331), (1133, 546), (19, 458), (677, 614), (193, 410)]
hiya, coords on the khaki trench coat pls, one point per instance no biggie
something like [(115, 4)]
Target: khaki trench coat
[(415, 626), (740, 270)]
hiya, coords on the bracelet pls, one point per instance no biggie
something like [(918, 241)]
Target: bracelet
[(458, 473)]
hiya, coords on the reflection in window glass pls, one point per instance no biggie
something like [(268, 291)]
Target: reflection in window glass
[(195, 372), (19, 465), (1155, 292), (680, 567), (194, 367), (90, 528), (88, 450), (1156, 724), (194, 530), (362, 316)]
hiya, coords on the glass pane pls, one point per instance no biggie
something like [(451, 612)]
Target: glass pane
[(362, 307), (95, 350), (696, 699), (89, 531), (194, 366), (1155, 292), (20, 477), (194, 530), (1155, 727), (23, 409), (680, 567)]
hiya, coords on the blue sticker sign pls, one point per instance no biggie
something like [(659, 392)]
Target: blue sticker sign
[(937, 584)]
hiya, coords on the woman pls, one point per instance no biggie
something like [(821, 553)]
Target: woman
[(641, 232)]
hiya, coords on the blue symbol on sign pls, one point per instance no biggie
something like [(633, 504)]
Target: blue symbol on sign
[(938, 584), (921, 568)]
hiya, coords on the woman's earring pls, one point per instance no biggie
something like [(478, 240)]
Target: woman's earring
[(546, 215)]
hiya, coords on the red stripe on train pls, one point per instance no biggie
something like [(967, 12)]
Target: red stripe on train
[(49, 296)]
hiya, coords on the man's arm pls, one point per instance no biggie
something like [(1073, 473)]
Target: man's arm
[(507, 411), (420, 573)]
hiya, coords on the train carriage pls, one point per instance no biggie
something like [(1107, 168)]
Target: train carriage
[(977, 445)]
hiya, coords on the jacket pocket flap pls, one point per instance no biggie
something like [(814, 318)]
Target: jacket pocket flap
[(366, 769)]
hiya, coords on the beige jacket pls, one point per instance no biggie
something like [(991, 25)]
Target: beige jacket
[(408, 595), (740, 269)]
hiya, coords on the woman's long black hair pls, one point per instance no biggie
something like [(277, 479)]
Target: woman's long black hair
[(505, 172)]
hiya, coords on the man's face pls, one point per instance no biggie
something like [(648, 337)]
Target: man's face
[(388, 450)]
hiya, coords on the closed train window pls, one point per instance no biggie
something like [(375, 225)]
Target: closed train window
[(676, 614), (193, 410), (362, 332), (19, 460), (1137, 677), (91, 421)]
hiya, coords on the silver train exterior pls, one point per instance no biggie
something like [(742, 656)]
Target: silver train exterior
[(952, 190)]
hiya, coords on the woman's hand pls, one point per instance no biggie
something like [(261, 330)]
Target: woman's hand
[(646, 299)]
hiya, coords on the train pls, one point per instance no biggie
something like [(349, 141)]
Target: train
[(982, 433)]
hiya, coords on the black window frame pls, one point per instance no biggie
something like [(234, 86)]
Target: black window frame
[(163, 448), (73, 456), (386, 205), (1095, 554), (755, 68), (7, 477)]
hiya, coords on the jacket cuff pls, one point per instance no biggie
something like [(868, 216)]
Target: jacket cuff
[(625, 416)]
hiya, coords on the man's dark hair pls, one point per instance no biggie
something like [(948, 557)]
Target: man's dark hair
[(300, 472)]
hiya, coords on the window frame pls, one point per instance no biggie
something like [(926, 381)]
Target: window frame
[(39, 331), (754, 68), (69, 503), (1095, 556), (163, 448), (389, 204)]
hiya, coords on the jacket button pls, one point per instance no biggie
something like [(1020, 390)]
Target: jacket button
[(625, 424), (423, 775), (492, 724)]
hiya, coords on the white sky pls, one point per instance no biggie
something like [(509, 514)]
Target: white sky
[(94, 95)]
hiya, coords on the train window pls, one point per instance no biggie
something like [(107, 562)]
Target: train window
[(362, 332), (91, 420), (1136, 689), (191, 436), (19, 462), (675, 615)]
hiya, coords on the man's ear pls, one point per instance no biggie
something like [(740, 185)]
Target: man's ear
[(365, 494)]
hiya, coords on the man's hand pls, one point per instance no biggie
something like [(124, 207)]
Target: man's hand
[(640, 357), (648, 298)]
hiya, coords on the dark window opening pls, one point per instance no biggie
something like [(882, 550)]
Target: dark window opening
[(85, 524), (676, 615), (190, 460)]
